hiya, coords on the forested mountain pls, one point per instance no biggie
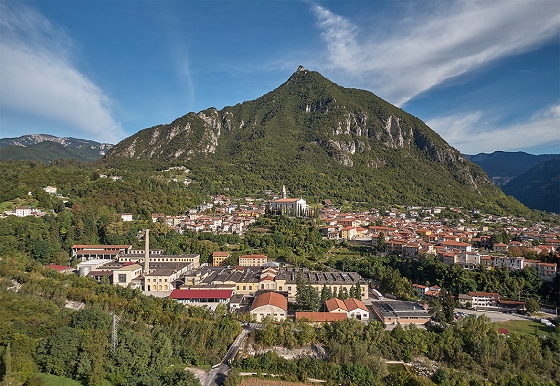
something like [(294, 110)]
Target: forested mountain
[(46, 148), (503, 166), (322, 141), (538, 187)]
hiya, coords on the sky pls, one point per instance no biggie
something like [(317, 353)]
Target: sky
[(485, 75)]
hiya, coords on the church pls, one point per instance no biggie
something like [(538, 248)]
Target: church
[(289, 206)]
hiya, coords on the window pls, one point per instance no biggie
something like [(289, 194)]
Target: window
[(244, 288), (122, 277)]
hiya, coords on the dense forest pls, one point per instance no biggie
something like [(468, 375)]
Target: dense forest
[(156, 338)]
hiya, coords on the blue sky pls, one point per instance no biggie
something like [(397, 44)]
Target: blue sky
[(485, 75)]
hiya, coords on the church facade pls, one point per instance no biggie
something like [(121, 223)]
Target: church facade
[(296, 207)]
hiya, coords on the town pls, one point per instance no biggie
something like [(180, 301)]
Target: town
[(264, 288)]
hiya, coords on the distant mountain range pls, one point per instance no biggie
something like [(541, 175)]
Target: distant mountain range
[(503, 166), (532, 179), (321, 140), (46, 148), (538, 187)]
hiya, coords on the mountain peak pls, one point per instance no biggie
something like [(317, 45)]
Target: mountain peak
[(310, 127)]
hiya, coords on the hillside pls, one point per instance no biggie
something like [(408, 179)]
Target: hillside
[(539, 187), (322, 141), (46, 148), (503, 166)]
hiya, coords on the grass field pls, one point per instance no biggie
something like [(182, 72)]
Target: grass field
[(54, 380), (525, 327)]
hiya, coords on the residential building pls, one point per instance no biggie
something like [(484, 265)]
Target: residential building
[(218, 257), (253, 260), (269, 304), (484, 299)]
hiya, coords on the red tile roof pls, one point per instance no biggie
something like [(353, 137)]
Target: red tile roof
[(271, 298), (354, 304), (58, 268), (335, 303)]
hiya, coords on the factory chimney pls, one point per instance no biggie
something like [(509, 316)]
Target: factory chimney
[(147, 252)]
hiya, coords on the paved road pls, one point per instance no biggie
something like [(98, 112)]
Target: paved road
[(218, 373)]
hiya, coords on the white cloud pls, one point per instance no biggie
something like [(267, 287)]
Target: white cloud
[(422, 49), (39, 78), (472, 133)]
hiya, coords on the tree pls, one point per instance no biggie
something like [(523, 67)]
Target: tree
[(9, 378), (532, 305), (307, 297)]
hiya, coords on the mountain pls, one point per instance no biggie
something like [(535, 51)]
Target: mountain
[(46, 148), (503, 166), (321, 140), (538, 187)]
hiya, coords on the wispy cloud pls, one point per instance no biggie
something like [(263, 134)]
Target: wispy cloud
[(473, 133), (423, 49), (39, 78)]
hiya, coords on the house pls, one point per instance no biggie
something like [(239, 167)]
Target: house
[(427, 292), (218, 257), (353, 308), (484, 299), (348, 233), (50, 189), (336, 305), (450, 245), (269, 304), (126, 217), (356, 309), (253, 260), (23, 211), (500, 248)]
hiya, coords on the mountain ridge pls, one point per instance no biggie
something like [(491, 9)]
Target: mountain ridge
[(46, 148), (503, 166), (320, 138), (538, 187)]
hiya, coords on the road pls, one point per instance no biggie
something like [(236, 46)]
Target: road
[(218, 373)]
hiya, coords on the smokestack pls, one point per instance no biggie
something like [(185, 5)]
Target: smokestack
[(147, 252)]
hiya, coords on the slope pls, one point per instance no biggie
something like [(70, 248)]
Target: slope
[(502, 166), (322, 141), (539, 187)]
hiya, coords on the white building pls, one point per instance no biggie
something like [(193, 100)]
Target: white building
[(290, 206)]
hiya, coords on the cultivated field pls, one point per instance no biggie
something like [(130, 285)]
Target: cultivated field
[(272, 382)]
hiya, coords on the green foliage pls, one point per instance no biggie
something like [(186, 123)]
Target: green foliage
[(322, 141), (532, 305), (307, 297)]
